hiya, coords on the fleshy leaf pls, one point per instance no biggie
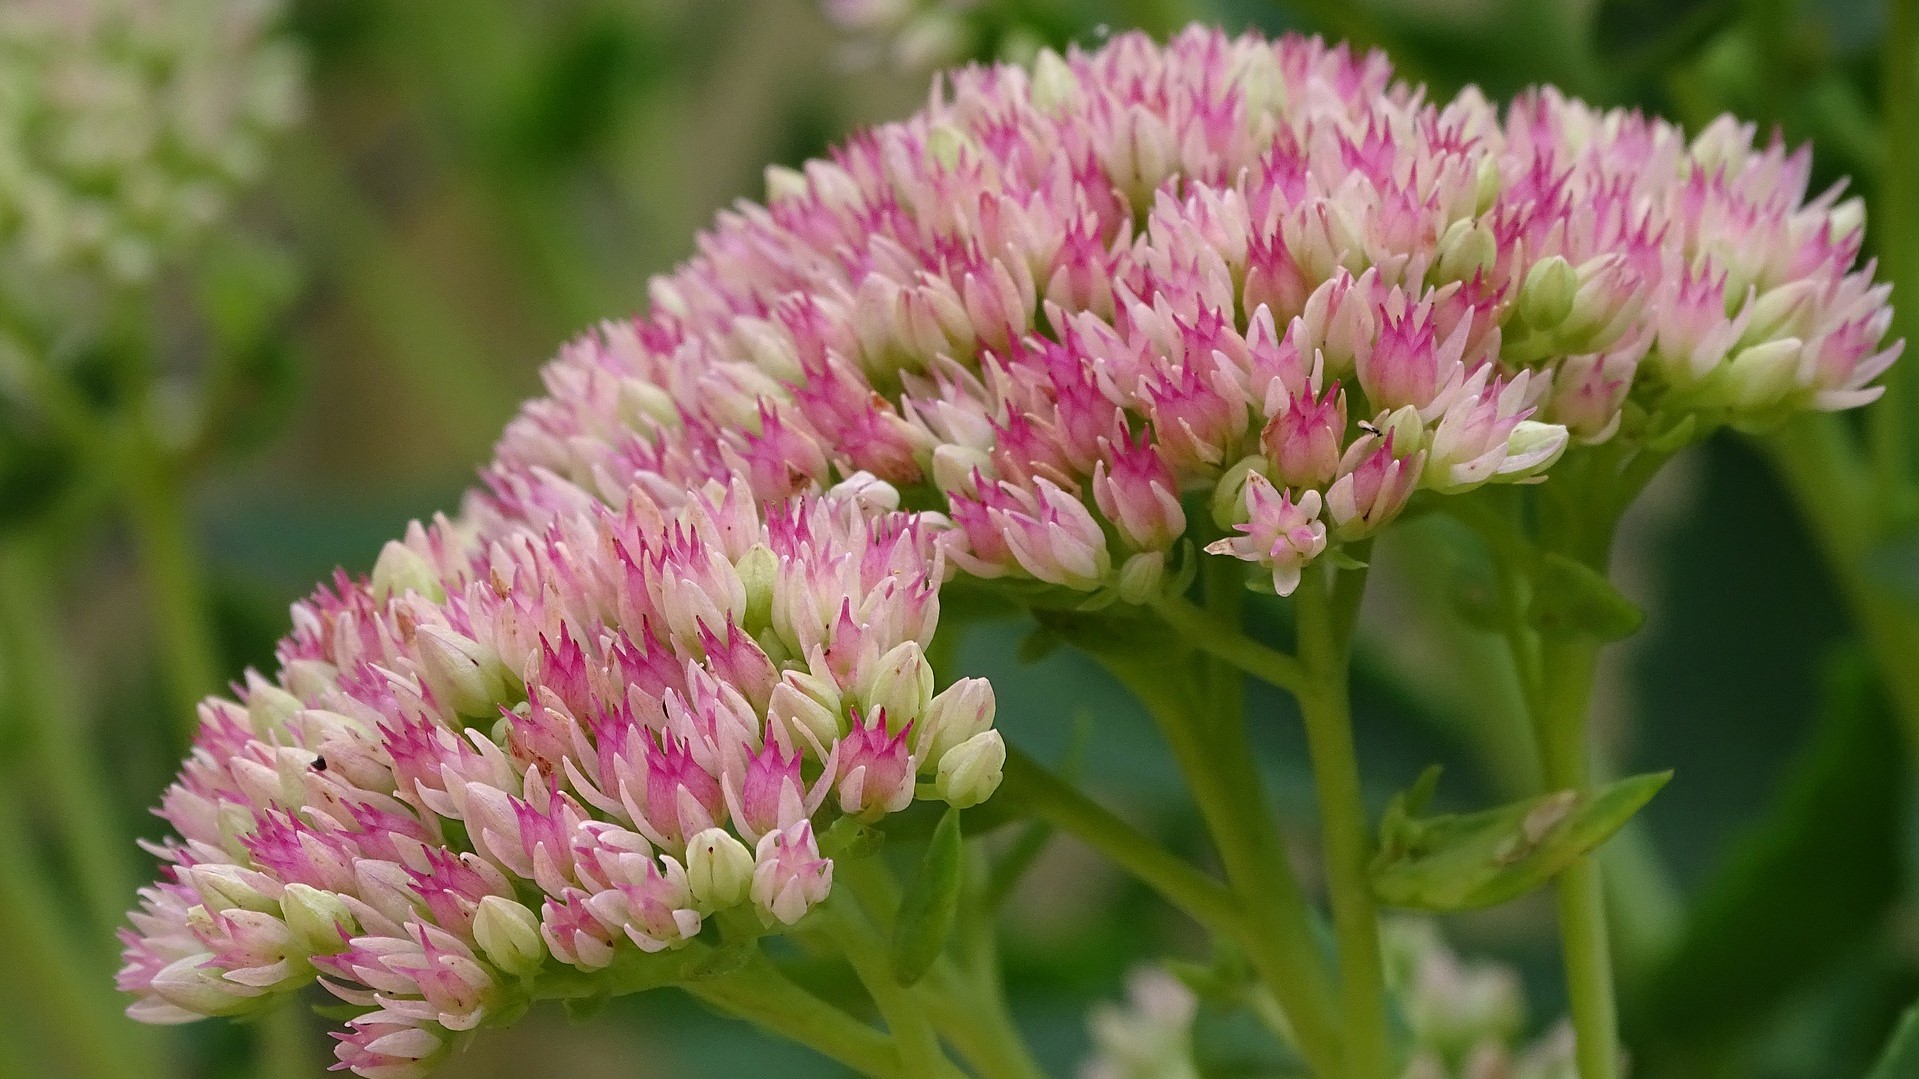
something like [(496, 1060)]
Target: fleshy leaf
[(1460, 861), (931, 901), (1901, 1056), (1571, 597)]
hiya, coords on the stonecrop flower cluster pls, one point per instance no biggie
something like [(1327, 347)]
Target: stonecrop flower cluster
[(1023, 337), (129, 123)]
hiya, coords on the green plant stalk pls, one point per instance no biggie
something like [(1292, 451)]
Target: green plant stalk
[(761, 995), (1221, 770), (34, 680), (182, 623), (1569, 663), (1051, 799), (906, 1018), (1325, 648)]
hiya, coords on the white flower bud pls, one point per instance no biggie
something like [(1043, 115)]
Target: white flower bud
[(806, 711), (971, 771), (319, 921), (1763, 374), (719, 869), (227, 887), (401, 569), (961, 711), (196, 985), (309, 678), (784, 183), (509, 935)]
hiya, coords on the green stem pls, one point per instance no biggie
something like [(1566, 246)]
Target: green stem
[(1325, 614), (1569, 663), (906, 1018), (182, 624), (1221, 770), (1224, 641), (31, 657), (1043, 795), (763, 996)]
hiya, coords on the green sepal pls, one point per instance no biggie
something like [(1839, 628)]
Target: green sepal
[(1572, 597), (931, 901), (851, 839), (1462, 861)]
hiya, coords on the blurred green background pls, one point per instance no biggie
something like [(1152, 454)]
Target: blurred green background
[(475, 181)]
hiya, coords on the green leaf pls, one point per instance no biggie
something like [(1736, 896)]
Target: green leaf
[(1571, 597), (1463, 861), (931, 901), (1807, 884), (1901, 1057)]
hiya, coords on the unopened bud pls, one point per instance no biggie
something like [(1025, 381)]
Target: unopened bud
[(319, 921), (226, 887), (509, 935), (719, 869), (902, 685), (758, 569), (401, 569), (1546, 298), (269, 708), (1466, 249), (464, 678), (1763, 374), (961, 710), (1140, 575), (1054, 84), (784, 183), (971, 772), (806, 710)]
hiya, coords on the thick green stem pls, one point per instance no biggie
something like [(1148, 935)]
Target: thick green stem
[(1045, 796), (1569, 665), (760, 994), (906, 1018), (1220, 768), (1325, 649), (182, 624)]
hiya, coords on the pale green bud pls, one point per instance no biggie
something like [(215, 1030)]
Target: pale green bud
[(226, 887), (902, 685), (269, 708), (401, 569), (1466, 248), (945, 143), (1055, 87), (807, 709), (971, 771), (1546, 297), (784, 183), (319, 921), (1140, 576), (463, 675), (509, 935), (1229, 495), (758, 568), (309, 678), (719, 869), (1763, 375)]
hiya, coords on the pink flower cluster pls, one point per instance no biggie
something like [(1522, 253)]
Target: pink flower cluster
[(1056, 302), (1053, 315), (631, 720)]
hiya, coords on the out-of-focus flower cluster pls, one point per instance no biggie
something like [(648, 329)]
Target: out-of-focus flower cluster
[(1021, 337), (908, 35), (553, 747), (125, 125), (1465, 1019)]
